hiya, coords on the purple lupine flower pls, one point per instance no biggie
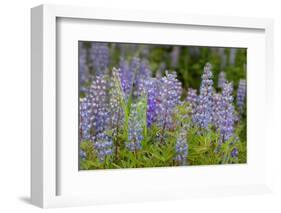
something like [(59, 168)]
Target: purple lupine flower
[(175, 56), (142, 74), (85, 119), (222, 79), (168, 98), (192, 96), (135, 135), (192, 99), (145, 71), (153, 88), (241, 94), (224, 116), (203, 116), (95, 117), (126, 77), (103, 145), (227, 119), (134, 64), (97, 94), (99, 55), (217, 110), (181, 148)]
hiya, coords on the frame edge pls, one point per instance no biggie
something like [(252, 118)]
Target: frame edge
[(37, 106)]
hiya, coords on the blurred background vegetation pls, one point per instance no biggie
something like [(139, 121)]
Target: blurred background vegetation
[(187, 61)]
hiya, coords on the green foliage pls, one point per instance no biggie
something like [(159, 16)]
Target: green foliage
[(204, 147)]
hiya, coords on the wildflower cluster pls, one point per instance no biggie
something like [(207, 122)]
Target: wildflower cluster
[(214, 109), (131, 115)]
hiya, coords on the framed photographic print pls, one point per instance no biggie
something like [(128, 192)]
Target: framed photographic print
[(131, 105), (134, 112)]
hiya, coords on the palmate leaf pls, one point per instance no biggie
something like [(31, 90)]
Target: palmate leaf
[(202, 146), (87, 147), (169, 152), (86, 164), (90, 164)]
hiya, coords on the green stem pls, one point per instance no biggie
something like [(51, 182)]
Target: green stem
[(117, 132)]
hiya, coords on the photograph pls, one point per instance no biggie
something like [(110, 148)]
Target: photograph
[(161, 105)]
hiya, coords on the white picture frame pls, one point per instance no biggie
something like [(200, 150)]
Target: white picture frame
[(47, 165)]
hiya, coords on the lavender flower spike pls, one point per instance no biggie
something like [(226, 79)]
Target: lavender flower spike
[(95, 118), (152, 86), (227, 119), (217, 110), (135, 131), (192, 99), (103, 146), (181, 148), (126, 77), (241, 94), (142, 75), (85, 119), (97, 96), (203, 116), (192, 96), (168, 99)]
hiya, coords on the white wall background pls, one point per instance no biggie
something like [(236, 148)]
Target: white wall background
[(15, 104)]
